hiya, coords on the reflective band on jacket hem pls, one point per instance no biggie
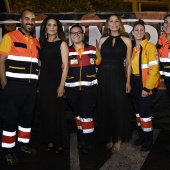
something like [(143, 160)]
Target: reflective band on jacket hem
[(22, 75), (22, 58), (167, 74), (23, 140), (8, 145), (83, 83), (164, 59)]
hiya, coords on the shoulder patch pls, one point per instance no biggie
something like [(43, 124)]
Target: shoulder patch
[(156, 54)]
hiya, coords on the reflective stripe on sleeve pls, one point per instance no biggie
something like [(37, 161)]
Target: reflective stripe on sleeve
[(144, 66), (152, 63)]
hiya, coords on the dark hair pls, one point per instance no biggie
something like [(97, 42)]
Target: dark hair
[(168, 15), (139, 22), (43, 37), (23, 11), (76, 25), (107, 31)]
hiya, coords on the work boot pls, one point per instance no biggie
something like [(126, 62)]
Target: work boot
[(12, 159), (28, 150)]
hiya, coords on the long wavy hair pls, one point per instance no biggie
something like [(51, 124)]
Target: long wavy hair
[(43, 36), (107, 32)]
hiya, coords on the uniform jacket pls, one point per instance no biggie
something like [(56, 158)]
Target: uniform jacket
[(22, 60), (82, 69), (164, 56), (149, 66)]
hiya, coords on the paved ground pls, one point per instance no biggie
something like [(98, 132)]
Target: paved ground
[(129, 158)]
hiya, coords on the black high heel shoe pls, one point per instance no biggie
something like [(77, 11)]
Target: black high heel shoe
[(49, 149), (59, 150)]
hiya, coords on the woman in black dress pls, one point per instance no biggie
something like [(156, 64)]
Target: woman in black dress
[(54, 68), (113, 84)]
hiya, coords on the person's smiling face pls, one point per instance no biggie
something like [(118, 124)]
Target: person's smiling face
[(51, 27), (114, 24), (76, 35), (27, 22), (166, 26), (138, 32)]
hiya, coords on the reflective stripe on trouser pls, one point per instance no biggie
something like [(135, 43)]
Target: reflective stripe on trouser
[(82, 103), (145, 123), (8, 139), (24, 134), (17, 106), (85, 124), (143, 108)]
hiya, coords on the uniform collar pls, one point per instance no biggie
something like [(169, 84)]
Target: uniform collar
[(19, 29)]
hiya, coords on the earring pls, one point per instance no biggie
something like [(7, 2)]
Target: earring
[(56, 35), (108, 31), (45, 35)]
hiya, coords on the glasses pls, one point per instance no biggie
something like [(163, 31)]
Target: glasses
[(76, 33)]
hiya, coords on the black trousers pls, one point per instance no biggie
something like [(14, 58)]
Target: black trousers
[(167, 84), (82, 103), (17, 107), (143, 109)]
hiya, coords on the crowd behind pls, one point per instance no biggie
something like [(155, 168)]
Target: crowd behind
[(103, 76)]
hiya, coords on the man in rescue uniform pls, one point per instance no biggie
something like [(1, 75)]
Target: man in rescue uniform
[(164, 56), (164, 53), (81, 86), (18, 77)]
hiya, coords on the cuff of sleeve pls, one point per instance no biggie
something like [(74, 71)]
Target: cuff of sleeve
[(147, 90)]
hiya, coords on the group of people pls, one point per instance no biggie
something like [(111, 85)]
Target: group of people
[(87, 76)]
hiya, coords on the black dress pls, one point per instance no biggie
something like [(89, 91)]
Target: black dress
[(113, 117), (53, 116)]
